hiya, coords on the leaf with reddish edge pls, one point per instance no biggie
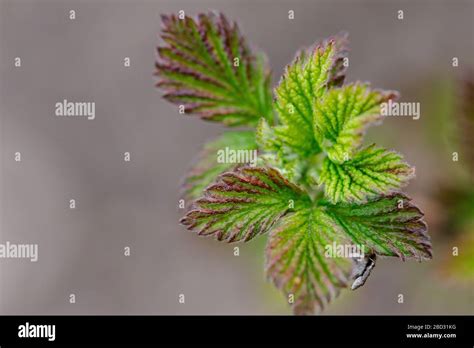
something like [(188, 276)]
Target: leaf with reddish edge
[(206, 66), (296, 256), (296, 262), (244, 203)]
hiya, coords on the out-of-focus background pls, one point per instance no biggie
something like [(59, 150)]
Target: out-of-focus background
[(135, 203)]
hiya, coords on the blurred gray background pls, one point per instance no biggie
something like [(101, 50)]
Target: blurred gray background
[(134, 204)]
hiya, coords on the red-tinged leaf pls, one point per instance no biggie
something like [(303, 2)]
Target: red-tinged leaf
[(243, 204), (206, 66), (296, 261)]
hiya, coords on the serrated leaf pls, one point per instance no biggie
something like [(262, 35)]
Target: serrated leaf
[(372, 171), (207, 167), (296, 262), (337, 74), (388, 226), (289, 146), (296, 252), (305, 80), (342, 115), (207, 66), (243, 204)]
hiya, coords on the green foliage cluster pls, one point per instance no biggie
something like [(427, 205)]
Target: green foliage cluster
[(316, 183)]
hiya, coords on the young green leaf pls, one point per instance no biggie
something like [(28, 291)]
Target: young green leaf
[(372, 171), (243, 204), (296, 261), (342, 115), (305, 80), (387, 226), (208, 167), (288, 145), (207, 67)]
